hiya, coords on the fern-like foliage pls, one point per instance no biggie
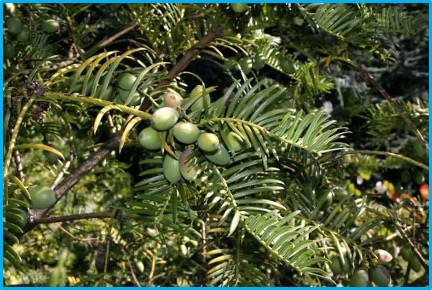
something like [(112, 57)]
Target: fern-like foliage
[(235, 268), (287, 239)]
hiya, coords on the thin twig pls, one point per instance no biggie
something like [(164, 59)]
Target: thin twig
[(411, 244), (183, 63), (131, 268), (73, 217), (104, 43), (370, 79), (391, 154)]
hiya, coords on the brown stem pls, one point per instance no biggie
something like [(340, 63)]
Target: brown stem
[(183, 63), (73, 217), (370, 79), (412, 246)]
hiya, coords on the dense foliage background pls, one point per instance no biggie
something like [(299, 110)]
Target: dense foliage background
[(327, 174)]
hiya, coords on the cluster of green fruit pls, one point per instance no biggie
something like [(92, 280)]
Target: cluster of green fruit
[(377, 274), (21, 32), (326, 197), (182, 163), (119, 94)]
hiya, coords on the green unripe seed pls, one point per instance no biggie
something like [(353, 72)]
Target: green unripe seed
[(359, 278), (201, 96), (164, 118), (150, 139), (234, 142), (238, 7), (208, 142), (287, 65), (50, 26), (380, 276), (171, 169), (124, 95), (172, 100), (406, 253), (259, 61), (325, 200), (108, 95), (415, 263), (298, 21), (9, 51), (186, 132), (337, 266), (188, 168), (42, 197), (246, 65), (339, 193), (219, 157), (24, 35), (14, 25), (126, 81)]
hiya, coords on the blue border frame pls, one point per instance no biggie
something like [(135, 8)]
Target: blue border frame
[(200, 1)]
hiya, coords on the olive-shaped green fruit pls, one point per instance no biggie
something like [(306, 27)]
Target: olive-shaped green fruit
[(234, 142), (171, 169), (406, 253), (325, 199), (380, 276), (246, 65), (126, 81), (150, 139), (337, 266), (238, 7), (259, 61), (108, 95), (202, 96), (24, 35), (219, 157), (188, 166), (172, 100), (287, 65), (50, 26), (124, 95), (208, 142), (339, 193), (164, 118), (9, 51), (359, 278), (42, 197), (186, 132), (415, 264), (298, 21), (14, 25)]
